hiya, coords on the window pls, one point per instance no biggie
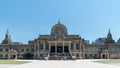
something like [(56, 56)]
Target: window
[(6, 55), (1, 49), (41, 46), (47, 46), (72, 46), (16, 49), (22, 50), (101, 49), (0, 55), (32, 50), (77, 46), (90, 55), (27, 49), (85, 55), (41, 55), (77, 55), (6, 49)]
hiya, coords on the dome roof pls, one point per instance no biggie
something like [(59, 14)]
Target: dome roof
[(59, 27)]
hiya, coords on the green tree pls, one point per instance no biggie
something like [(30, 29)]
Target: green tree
[(27, 55)]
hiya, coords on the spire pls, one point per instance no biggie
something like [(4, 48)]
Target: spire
[(58, 20), (109, 39), (109, 34), (7, 31), (109, 30), (7, 39), (7, 34)]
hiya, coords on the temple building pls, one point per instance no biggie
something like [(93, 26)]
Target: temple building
[(59, 44)]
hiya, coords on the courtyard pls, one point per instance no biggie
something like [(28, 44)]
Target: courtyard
[(62, 64)]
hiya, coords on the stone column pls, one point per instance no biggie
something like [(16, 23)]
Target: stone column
[(108, 56), (49, 47), (38, 45), (38, 50), (74, 46), (44, 46), (69, 46), (63, 47), (101, 56), (15, 56), (80, 46), (55, 47), (8, 56)]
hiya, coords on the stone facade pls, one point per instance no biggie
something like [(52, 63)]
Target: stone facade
[(59, 45)]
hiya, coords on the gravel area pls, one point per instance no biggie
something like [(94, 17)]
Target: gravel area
[(62, 64), (6, 65)]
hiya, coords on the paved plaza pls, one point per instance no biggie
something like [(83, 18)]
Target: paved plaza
[(62, 64)]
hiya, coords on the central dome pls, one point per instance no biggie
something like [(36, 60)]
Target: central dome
[(59, 29)]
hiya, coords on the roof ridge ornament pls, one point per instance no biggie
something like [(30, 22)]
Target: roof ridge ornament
[(109, 31), (58, 20), (7, 31)]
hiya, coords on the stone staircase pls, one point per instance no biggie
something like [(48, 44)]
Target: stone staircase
[(60, 56)]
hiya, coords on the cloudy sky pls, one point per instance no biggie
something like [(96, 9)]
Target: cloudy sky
[(91, 19)]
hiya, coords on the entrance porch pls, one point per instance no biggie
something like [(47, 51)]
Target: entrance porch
[(59, 52)]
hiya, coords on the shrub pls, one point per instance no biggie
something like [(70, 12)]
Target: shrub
[(27, 55)]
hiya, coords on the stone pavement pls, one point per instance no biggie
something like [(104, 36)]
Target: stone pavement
[(64, 64)]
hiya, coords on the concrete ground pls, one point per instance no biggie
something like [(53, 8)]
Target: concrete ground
[(64, 64)]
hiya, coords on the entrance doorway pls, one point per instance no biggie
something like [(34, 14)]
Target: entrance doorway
[(12, 56), (52, 49), (104, 56), (59, 49), (66, 50)]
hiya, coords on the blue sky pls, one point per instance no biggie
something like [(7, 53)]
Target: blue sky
[(91, 19)]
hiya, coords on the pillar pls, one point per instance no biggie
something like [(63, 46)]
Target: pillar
[(49, 47), (44, 46), (63, 47), (101, 56), (8, 56), (15, 56), (74, 46), (69, 47), (108, 56), (80, 47), (55, 47)]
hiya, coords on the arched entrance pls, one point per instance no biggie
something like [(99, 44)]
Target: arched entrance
[(105, 54), (12, 54)]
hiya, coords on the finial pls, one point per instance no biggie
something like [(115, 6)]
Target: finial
[(109, 30), (59, 20), (7, 31)]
